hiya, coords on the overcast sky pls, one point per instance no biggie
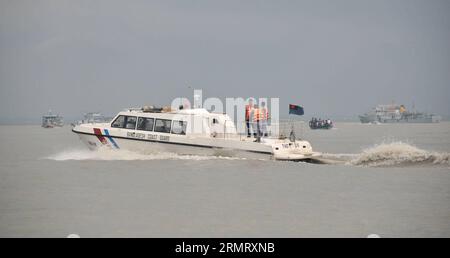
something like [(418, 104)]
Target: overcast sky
[(337, 58)]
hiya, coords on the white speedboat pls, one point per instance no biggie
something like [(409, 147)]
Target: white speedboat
[(190, 132)]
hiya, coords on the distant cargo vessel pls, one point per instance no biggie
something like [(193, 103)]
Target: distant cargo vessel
[(394, 113), (49, 120)]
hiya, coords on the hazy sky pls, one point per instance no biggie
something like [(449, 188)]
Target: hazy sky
[(336, 58)]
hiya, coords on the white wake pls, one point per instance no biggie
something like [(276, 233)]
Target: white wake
[(399, 154), (381, 155), (106, 154), (390, 154)]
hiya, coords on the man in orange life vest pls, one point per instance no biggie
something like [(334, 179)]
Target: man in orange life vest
[(263, 116), (255, 124), (260, 117), (248, 113)]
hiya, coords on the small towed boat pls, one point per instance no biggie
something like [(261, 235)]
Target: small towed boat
[(191, 132), (320, 124)]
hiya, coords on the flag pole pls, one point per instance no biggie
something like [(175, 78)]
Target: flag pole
[(291, 122)]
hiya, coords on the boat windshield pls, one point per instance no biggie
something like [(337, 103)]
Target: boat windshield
[(128, 122)]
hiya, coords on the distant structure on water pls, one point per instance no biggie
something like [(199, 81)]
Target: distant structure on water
[(394, 113), (49, 120), (94, 117)]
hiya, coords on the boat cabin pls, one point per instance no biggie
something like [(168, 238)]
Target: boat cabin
[(197, 122)]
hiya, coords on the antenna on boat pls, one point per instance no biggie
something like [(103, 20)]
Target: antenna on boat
[(294, 110), (291, 124), (292, 133), (198, 95), (181, 106)]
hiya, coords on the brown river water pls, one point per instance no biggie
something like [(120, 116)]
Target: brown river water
[(390, 180)]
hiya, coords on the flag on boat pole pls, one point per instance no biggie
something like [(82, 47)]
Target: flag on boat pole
[(296, 110)]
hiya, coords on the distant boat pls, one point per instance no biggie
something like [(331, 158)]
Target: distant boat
[(320, 124), (50, 120), (394, 113), (94, 117)]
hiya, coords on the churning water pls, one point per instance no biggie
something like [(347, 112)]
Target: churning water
[(399, 154), (380, 155), (115, 154)]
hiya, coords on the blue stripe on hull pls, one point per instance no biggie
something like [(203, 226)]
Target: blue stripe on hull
[(111, 139)]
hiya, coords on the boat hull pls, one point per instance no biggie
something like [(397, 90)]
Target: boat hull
[(325, 127), (154, 147), (97, 136), (421, 120)]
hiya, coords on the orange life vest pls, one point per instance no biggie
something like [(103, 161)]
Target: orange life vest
[(256, 115), (260, 114), (248, 110), (263, 114)]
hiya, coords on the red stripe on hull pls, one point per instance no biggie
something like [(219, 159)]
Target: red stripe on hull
[(99, 135)]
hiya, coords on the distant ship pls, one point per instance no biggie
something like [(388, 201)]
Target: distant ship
[(394, 113), (49, 120)]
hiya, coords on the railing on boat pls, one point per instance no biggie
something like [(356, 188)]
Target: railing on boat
[(281, 130)]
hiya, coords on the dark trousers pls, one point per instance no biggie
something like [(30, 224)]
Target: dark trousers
[(256, 129), (247, 123)]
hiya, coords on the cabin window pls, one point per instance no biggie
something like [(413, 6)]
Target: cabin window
[(131, 122), (162, 125), (119, 122), (215, 121), (179, 127), (128, 122), (145, 124)]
